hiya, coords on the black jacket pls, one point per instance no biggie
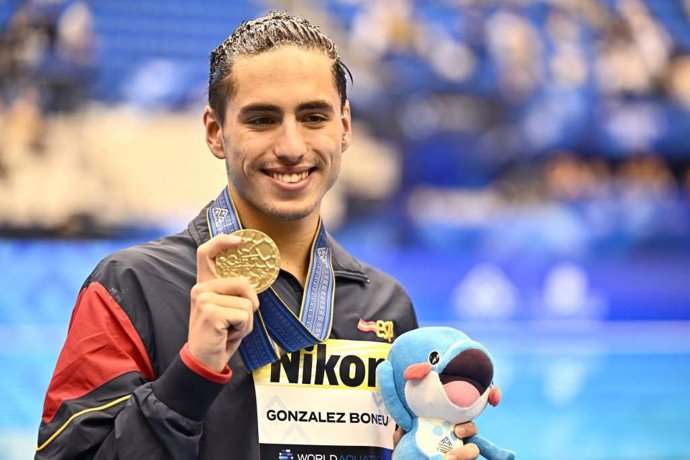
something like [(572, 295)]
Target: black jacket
[(120, 389)]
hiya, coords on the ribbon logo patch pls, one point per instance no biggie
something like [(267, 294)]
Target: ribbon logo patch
[(382, 329)]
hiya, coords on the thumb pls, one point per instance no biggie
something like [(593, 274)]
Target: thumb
[(207, 252)]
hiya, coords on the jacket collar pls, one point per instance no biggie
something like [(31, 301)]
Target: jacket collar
[(344, 264)]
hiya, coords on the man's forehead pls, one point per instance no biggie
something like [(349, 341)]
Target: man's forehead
[(284, 55), (308, 73)]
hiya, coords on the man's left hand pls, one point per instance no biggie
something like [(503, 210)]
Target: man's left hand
[(462, 430), (468, 451)]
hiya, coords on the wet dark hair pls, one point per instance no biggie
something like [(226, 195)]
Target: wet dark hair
[(264, 34)]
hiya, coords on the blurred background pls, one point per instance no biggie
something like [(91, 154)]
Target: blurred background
[(522, 166)]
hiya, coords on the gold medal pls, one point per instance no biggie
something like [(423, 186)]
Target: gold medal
[(256, 258)]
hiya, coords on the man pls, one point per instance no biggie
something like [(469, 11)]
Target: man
[(146, 368)]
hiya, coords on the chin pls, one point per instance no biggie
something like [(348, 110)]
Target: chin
[(290, 213)]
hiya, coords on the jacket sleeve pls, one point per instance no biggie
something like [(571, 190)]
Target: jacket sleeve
[(104, 401)]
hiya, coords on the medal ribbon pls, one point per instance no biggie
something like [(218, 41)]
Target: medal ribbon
[(274, 322)]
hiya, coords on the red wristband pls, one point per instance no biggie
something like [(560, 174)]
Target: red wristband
[(192, 363)]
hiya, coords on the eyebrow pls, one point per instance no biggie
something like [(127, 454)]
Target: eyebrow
[(264, 107), (258, 107), (316, 105)]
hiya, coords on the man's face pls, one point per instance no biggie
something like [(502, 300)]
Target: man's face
[(284, 133)]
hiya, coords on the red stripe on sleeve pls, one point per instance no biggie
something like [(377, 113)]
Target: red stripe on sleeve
[(191, 362), (101, 344)]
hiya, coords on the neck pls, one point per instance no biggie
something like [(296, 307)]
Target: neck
[(294, 240)]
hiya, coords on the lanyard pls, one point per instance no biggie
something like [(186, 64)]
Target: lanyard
[(274, 322)]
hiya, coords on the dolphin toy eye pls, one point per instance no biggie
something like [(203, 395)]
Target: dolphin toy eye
[(434, 357)]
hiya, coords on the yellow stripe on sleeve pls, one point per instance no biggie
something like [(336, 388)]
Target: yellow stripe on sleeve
[(85, 411)]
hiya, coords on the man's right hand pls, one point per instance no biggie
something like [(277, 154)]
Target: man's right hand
[(222, 309)]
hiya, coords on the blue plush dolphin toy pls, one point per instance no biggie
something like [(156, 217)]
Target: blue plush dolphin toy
[(434, 378)]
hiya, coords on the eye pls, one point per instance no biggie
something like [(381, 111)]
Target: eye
[(314, 119), (260, 121), (434, 357)]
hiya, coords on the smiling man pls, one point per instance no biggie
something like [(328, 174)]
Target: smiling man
[(165, 358)]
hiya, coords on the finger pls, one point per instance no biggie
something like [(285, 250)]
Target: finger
[(467, 452), (397, 436), (240, 323), (465, 430), (207, 252), (224, 322), (235, 335), (238, 286), (225, 311)]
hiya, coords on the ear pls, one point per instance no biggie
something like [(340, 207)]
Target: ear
[(386, 382), (214, 133), (346, 119)]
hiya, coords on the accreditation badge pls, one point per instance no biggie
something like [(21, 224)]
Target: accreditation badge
[(322, 403)]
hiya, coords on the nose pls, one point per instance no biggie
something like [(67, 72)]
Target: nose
[(290, 145)]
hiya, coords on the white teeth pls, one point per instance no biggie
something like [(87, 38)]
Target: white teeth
[(290, 178)]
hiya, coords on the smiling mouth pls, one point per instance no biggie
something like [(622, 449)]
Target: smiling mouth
[(289, 178)]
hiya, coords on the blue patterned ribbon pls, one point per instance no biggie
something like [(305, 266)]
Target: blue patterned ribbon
[(274, 322)]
